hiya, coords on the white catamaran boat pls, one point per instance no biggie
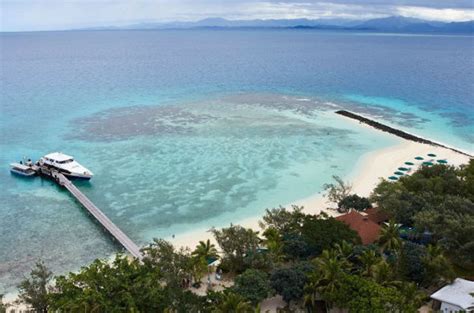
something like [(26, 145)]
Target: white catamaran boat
[(66, 165)]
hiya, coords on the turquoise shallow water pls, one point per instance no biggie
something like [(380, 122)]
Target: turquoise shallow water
[(188, 129)]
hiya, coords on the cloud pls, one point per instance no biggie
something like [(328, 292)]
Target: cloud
[(445, 15), (63, 14), (318, 10)]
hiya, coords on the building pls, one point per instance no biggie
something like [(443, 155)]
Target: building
[(368, 230), (455, 297), (376, 215)]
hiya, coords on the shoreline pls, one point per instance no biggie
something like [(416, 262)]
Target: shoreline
[(397, 132), (367, 172), (364, 176)]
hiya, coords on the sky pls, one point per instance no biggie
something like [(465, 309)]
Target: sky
[(32, 15)]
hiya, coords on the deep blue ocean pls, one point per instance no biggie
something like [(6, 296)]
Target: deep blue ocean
[(200, 128)]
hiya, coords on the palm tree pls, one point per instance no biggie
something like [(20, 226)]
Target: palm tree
[(434, 250), (344, 249), (233, 303), (326, 280), (390, 237), (198, 268), (310, 291), (206, 250), (382, 272), (368, 259), (413, 297), (331, 270), (439, 267), (274, 243)]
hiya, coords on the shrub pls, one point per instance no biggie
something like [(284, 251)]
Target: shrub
[(353, 202), (253, 285)]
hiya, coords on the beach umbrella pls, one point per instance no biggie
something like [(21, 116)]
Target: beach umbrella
[(403, 169), (393, 178), (431, 155), (442, 161), (419, 158), (399, 173), (213, 262), (409, 163), (428, 163)]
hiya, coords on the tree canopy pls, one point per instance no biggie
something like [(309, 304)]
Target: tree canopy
[(240, 247), (253, 285), (353, 202), (438, 199), (34, 290), (321, 234), (289, 282), (364, 295), (302, 257), (338, 190)]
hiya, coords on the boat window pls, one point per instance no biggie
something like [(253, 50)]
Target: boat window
[(65, 161)]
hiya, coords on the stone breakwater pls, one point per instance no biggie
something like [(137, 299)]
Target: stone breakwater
[(395, 131)]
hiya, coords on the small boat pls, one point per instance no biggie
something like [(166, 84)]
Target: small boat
[(66, 165), (22, 169)]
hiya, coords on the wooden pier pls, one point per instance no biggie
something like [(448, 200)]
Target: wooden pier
[(119, 235)]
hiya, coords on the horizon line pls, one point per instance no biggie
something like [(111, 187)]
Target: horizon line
[(157, 24)]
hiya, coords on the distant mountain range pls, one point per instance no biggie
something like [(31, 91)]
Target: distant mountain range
[(396, 24), (404, 24)]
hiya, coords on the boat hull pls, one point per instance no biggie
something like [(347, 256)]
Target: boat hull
[(77, 177), (48, 170), (20, 173)]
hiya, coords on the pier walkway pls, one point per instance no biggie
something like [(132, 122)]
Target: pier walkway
[(119, 235)]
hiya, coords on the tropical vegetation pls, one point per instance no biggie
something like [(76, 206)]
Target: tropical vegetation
[(310, 261)]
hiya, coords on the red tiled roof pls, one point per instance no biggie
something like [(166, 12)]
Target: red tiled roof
[(376, 215), (368, 230)]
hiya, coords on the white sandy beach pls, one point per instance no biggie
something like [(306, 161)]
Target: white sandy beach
[(368, 171)]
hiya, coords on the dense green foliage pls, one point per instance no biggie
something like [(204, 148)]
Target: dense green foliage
[(301, 236), (34, 291), (289, 283), (240, 248), (412, 267), (104, 287), (230, 302), (439, 270), (438, 199), (3, 308), (303, 258), (389, 240), (320, 234), (252, 285), (353, 202), (361, 284), (362, 295), (128, 285)]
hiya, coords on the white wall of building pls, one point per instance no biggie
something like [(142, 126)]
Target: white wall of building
[(447, 308)]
